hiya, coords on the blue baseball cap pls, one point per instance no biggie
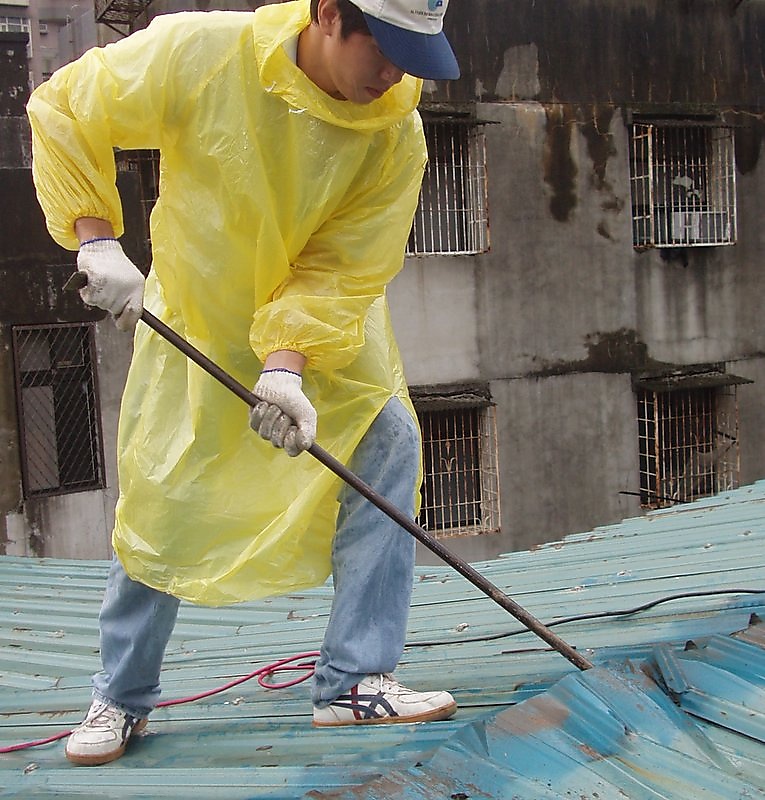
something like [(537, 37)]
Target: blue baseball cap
[(410, 34)]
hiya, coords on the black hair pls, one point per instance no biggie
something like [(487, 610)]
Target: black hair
[(351, 18)]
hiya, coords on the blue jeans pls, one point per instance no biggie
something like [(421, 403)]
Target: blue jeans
[(372, 569)]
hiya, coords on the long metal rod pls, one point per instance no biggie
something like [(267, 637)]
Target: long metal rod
[(394, 513), (339, 469)]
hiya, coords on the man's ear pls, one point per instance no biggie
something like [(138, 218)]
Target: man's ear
[(328, 16)]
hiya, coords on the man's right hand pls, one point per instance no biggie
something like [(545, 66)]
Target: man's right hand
[(114, 282), (284, 416)]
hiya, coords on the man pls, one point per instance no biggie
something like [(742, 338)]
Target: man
[(291, 160)]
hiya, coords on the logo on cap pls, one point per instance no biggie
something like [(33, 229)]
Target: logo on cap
[(434, 4)]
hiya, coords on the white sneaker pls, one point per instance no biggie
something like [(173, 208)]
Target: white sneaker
[(380, 698), (102, 736)]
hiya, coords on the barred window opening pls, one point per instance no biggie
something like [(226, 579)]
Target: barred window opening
[(683, 182), (460, 490), (452, 214), (688, 444), (60, 432)]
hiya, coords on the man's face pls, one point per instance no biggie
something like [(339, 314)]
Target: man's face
[(358, 71)]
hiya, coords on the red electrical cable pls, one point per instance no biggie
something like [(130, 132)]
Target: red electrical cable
[(283, 665)]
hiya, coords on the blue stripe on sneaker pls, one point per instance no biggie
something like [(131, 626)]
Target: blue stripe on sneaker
[(364, 706)]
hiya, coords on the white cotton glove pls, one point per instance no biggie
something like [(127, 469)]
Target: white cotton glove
[(285, 416), (114, 282)]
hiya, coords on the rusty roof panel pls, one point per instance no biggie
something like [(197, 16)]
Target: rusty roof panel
[(604, 733)]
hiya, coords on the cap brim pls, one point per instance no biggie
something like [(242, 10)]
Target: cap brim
[(420, 54)]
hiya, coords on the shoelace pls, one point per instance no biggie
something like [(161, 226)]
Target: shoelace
[(105, 715), (385, 682)]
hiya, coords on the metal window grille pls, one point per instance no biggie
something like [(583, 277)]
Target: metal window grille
[(688, 444), (146, 164), (452, 214), (57, 397), (460, 490), (120, 15), (683, 182)]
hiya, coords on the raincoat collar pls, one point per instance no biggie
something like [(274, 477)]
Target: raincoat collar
[(273, 26)]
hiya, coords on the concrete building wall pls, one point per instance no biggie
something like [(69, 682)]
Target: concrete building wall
[(78, 524), (562, 312), (548, 317), (33, 270)]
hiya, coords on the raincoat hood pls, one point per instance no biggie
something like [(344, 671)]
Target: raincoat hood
[(278, 74)]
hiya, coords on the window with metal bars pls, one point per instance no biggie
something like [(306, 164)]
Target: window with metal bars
[(57, 397), (452, 214), (460, 490), (683, 182), (688, 444)]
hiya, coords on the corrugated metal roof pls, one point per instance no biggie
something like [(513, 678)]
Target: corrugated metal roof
[(657, 717)]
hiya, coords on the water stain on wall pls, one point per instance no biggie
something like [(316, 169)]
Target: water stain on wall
[(748, 142), (615, 352), (560, 169), (596, 131), (600, 144)]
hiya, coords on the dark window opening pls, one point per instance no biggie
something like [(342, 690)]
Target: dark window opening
[(60, 432)]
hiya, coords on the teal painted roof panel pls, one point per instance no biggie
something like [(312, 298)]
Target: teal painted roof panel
[(630, 596)]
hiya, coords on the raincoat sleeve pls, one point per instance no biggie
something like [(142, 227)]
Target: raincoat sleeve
[(125, 95), (320, 309)]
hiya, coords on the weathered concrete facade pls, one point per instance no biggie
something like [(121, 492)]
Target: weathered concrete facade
[(33, 270), (562, 312)]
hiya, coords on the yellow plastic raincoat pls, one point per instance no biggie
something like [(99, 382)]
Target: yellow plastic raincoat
[(283, 213)]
